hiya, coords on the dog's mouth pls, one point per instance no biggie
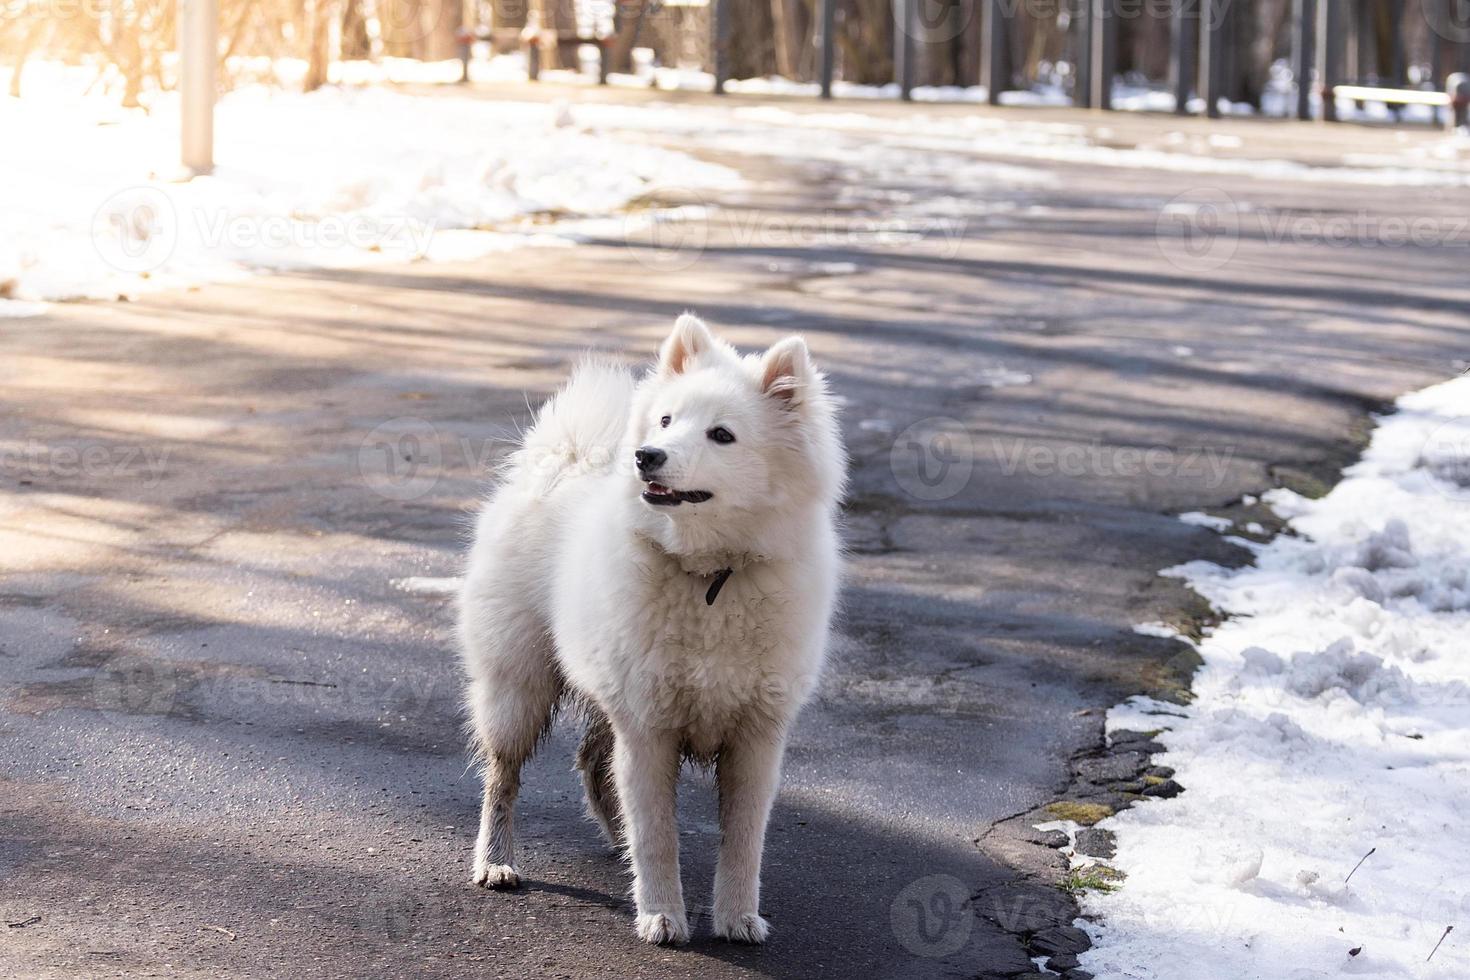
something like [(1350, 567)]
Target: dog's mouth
[(662, 496)]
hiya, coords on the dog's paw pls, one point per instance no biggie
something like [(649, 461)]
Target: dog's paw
[(747, 928), (496, 876), (661, 928)]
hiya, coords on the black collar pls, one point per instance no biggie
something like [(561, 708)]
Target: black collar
[(721, 577)]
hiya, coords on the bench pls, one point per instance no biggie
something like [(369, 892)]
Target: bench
[(1455, 97)]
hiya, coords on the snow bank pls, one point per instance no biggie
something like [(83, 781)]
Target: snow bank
[(92, 207), (1332, 719), (339, 177)]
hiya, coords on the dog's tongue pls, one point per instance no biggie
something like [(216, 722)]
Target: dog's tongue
[(658, 488)]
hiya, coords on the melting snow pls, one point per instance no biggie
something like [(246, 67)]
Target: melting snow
[(91, 207), (1332, 719), (1201, 519)]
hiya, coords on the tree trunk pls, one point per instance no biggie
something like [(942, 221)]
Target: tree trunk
[(1143, 43), (865, 41), (789, 19), (752, 50), (440, 21), (1381, 19), (629, 26), (130, 62), (397, 20), (937, 25), (1039, 38), (557, 18), (970, 41), (357, 41), (319, 41)]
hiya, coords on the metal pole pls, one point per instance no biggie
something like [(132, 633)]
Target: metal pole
[(464, 40), (1104, 53), (198, 54), (1457, 87), (1228, 43), (722, 44), (1082, 81), (1331, 47), (1304, 53), (1212, 13), (1459, 44), (1183, 37), (1462, 53), (1437, 74), (1436, 47), (1366, 49), (829, 45), (903, 47), (1396, 45), (993, 45)]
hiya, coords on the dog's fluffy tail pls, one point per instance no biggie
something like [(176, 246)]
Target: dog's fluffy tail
[(578, 430)]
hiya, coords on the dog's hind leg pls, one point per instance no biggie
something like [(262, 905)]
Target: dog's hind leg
[(514, 689), (594, 761)]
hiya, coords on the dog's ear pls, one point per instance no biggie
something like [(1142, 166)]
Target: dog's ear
[(689, 339), (787, 372)]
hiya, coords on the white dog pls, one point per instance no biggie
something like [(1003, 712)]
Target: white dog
[(664, 553)]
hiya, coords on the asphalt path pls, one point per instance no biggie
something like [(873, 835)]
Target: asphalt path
[(231, 731)]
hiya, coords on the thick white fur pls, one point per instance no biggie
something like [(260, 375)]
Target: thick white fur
[(577, 586)]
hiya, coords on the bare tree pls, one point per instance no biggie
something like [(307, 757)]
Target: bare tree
[(791, 20), (320, 14), (752, 40), (865, 40)]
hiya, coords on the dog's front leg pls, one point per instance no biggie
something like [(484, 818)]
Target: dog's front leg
[(646, 767), (749, 771)]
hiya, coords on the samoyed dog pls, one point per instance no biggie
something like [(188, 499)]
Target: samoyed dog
[(664, 554)]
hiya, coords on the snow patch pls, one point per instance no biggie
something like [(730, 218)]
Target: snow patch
[(1201, 519), (92, 206), (15, 308), (1142, 714), (423, 585), (1002, 377), (1331, 719)]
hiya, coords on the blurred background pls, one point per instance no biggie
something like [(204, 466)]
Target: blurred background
[(1033, 49), (155, 144)]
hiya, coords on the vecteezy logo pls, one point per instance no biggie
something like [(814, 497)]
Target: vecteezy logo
[(136, 230), (668, 238), (130, 686), (932, 916), (1446, 904), (933, 21), (933, 459), (1446, 454), (395, 915), (1197, 231), (1450, 19), (401, 459)]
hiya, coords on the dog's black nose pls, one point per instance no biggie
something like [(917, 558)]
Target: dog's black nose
[(649, 459)]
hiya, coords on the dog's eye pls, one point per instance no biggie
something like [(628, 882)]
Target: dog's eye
[(721, 435), (664, 422)]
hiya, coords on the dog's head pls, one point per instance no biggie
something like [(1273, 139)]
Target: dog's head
[(726, 446)]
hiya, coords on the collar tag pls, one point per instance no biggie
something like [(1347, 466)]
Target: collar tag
[(721, 577)]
